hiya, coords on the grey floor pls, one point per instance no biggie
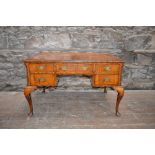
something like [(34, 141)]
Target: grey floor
[(85, 110)]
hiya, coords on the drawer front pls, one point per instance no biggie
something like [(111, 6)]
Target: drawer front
[(66, 68), (85, 68), (106, 80), (43, 79), (106, 68), (40, 68)]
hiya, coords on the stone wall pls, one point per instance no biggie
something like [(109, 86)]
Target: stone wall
[(136, 45)]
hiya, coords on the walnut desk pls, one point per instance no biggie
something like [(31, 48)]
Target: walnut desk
[(43, 69)]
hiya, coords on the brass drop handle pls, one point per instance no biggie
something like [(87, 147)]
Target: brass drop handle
[(41, 67), (107, 68), (64, 68), (106, 79), (84, 68), (41, 79)]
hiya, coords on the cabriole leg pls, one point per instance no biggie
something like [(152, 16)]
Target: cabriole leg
[(120, 91), (27, 92)]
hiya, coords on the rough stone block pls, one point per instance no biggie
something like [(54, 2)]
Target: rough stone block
[(15, 43), (107, 38), (144, 59), (138, 42), (111, 39), (137, 74), (57, 40), (33, 42), (3, 42), (142, 51), (80, 41), (76, 28), (3, 75), (6, 65), (153, 40)]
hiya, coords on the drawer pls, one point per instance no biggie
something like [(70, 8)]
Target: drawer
[(40, 68), (85, 68), (106, 80), (42, 79), (65, 68), (107, 68)]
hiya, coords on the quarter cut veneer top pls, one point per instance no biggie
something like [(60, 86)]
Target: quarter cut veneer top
[(58, 56)]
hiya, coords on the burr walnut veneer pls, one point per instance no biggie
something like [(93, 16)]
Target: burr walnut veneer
[(43, 69)]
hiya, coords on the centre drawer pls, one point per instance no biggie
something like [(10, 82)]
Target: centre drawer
[(107, 68), (40, 67), (85, 68), (43, 79), (65, 68)]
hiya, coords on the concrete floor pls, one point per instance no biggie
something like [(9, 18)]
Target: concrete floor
[(86, 110)]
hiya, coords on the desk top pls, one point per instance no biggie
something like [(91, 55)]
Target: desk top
[(73, 56)]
